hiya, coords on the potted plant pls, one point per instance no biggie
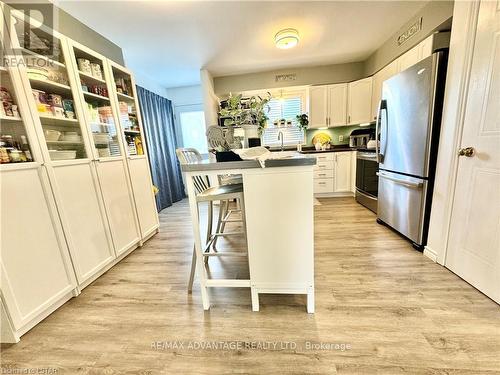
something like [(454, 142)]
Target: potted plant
[(303, 121)]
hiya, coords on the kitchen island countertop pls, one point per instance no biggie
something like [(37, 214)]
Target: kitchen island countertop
[(209, 165)]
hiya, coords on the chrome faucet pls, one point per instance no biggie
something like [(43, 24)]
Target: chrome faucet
[(280, 138)]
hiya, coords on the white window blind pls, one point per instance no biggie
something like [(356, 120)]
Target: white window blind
[(292, 135), (285, 107)]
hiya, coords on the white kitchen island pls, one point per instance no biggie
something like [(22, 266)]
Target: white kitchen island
[(280, 226)]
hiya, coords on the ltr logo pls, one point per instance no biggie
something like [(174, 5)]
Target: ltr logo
[(33, 23)]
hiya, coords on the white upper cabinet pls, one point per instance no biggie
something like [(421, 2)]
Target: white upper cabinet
[(378, 79), (359, 101), (416, 54), (410, 58), (318, 106), (337, 105)]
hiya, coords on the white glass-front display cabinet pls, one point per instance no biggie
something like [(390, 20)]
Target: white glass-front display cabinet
[(46, 66), (125, 93), (94, 89), (14, 141)]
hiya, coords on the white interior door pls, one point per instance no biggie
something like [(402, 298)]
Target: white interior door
[(474, 247)]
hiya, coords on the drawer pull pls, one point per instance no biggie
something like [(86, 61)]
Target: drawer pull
[(322, 174), (322, 183)]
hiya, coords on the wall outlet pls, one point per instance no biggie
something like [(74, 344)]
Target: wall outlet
[(341, 138)]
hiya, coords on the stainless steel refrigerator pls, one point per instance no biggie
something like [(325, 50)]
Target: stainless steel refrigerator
[(408, 126)]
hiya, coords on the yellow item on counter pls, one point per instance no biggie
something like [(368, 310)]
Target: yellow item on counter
[(322, 138)]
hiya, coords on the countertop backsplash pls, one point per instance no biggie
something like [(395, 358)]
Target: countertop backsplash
[(334, 133)]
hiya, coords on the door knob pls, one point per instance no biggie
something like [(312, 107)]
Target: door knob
[(467, 151)]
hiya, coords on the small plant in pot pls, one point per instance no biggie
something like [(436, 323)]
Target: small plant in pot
[(303, 121)]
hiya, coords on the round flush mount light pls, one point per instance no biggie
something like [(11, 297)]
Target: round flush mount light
[(286, 38)]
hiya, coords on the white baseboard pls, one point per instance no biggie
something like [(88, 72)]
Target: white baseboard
[(431, 254)]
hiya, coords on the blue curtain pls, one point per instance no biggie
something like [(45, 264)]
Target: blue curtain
[(158, 121)]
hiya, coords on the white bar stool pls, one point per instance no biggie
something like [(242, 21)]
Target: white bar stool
[(206, 193)]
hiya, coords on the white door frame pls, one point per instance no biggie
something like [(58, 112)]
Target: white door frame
[(463, 34)]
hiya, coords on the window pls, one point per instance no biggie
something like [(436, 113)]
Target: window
[(284, 105), (284, 108), (193, 130)]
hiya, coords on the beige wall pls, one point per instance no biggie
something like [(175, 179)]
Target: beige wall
[(210, 100), (434, 17), (314, 75)]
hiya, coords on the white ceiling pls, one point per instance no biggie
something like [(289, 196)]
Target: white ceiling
[(169, 42)]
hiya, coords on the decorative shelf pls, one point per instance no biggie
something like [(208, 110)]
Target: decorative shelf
[(124, 96), (38, 56), (50, 87), (52, 120), (92, 95), (10, 118), (91, 78)]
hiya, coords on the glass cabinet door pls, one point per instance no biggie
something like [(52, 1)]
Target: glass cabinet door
[(14, 141), (48, 76), (124, 89), (94, 89)]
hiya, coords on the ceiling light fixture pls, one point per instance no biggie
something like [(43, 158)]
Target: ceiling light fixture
[(286, 38)]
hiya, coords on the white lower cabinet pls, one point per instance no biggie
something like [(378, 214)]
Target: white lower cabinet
[(83, 217), (333, 174), (118, 200), (37, 275), (143, 195), (342, 182)]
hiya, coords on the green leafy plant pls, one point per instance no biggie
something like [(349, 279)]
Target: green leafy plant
[(303, 121), (232, 110), (248, 111)]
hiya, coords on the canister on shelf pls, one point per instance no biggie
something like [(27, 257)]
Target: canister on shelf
[(96, 70), (84, 66), (15, 112), (55, 100), (57, 111), (4, 155), (5, 94), (39, 96), (67, 104), (7, 108), (15, 155)]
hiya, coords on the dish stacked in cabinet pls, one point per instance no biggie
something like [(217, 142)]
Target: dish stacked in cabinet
[(97, 103), (14, 146), (48, 78)]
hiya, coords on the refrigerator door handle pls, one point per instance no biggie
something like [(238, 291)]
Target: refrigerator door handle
[(382, 105), (415, 185)]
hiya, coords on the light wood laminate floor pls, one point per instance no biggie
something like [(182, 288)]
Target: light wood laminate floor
[(398, 312)]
